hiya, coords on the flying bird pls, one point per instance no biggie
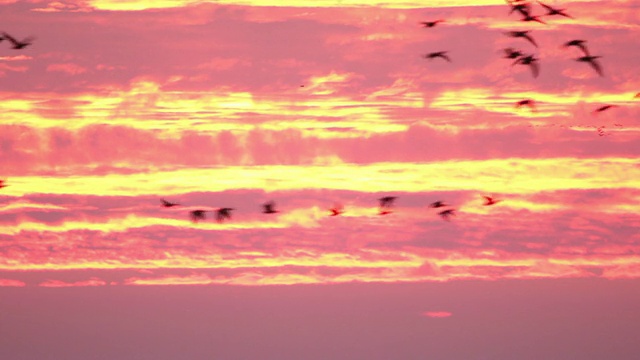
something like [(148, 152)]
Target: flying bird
[(523, 7), (488, 201), (269, 208), (446, 214), (386, 203), (2, 184), (430, 24), (522, 34), (603, 108), (529, 17), (168, 204), (591, 60), (437, 204), (526, 102), (579, 44), (510, 53), (554, 11), (18, 44), (440, 54), (336, 210), (223, 213), (197, 215), (531, 61)]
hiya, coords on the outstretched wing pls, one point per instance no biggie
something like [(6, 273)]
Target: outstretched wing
[(596, 67), (10, 38)]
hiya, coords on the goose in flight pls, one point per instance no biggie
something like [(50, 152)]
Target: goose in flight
[(440, 54), (488, 201), (522, 34), (269, 208), (511, 53), (168, 204), (591, 60), (580, 44), (197, 215), (336, 210), (223, 213), (430, 24), (603, 108), (16, 44), (446, 214), (526, 102), (554, 11), (386, 203), (531, 61), (437, 204)]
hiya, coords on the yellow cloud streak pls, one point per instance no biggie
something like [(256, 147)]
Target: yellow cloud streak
[(176, 111), (135, 5), (513, 175)]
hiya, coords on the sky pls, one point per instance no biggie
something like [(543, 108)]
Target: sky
[(117, 104)]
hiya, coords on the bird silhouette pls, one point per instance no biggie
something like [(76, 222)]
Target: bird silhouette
[(490, 201), (603, 108), (526, 102), (446, 214), (223, 213), (440, 54), (522, 34), (197, 215), (336, 210), (529, 17), (531, 61), (554, 11), (511, 53), (167, 204), (523, 7), (579, 44), (430, 24), (437, 204), (18, 44), (591, 60), (268, 208), (3, 184), (386, 203)]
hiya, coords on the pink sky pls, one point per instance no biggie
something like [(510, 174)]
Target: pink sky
[(117, 104)]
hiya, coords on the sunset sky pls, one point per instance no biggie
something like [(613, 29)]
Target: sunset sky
[(117, 104)]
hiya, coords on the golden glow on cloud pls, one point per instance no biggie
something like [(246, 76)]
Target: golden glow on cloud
[(487, 176), (134, 5)]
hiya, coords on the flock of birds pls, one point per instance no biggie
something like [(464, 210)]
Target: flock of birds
[(386, 205), (522, 7), (525, 9)]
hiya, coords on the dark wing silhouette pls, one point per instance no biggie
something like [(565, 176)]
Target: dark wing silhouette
[(437, 204), (594, 64), (336, 210), (387, 201), (166, 203), (2, 184), (269, 208), (446, 214), (223, 213), (197, 215)]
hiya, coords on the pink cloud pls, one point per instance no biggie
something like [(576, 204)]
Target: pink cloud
[(437, 314), (12, 283)]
